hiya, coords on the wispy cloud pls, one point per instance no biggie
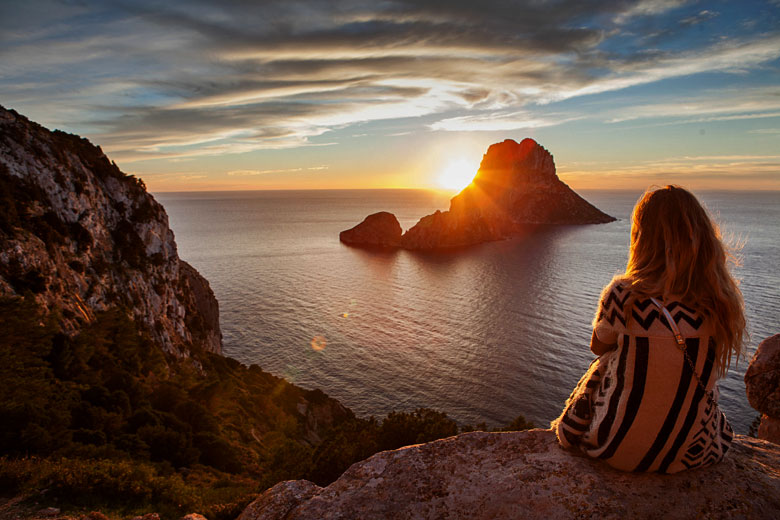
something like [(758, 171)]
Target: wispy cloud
[(722, 104), (179, 80), (647, 8), (497, 121), (244, 173)]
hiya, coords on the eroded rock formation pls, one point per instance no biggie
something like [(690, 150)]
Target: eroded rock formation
[(82, 237), (377, 230), (762, 382), (515, 190), (527, 475)]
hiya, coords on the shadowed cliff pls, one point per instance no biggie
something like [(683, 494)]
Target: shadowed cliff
[(82, 237), (115, 395)]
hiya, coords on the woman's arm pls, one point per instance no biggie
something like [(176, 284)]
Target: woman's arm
[(598, 347)]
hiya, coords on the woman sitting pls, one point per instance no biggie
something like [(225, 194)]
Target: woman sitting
[(665, 331)]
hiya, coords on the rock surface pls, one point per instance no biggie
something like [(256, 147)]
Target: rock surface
[(378, 230), (762, 383), (527, 475), (83, 237)]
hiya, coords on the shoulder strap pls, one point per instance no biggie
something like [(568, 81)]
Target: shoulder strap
[(681, 345), (675, 329)]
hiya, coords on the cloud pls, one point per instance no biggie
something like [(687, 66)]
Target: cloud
[(699, 17), (730, 56), (189, 79), (648, 8), (710, 105), (696, 172), (497, 121), (245, 173)]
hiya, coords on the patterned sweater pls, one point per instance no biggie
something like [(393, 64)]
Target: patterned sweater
[(639, 407)]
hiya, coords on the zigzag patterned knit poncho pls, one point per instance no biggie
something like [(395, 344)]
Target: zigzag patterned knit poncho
[(640, 407)]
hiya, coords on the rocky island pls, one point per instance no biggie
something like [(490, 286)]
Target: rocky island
[(515, 190)]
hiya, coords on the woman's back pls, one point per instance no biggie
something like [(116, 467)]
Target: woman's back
[(650, 411), (649, 401)]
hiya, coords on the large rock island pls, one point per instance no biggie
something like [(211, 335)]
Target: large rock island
[(515, 190)]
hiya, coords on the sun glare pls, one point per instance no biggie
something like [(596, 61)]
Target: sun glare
[(456, 175)]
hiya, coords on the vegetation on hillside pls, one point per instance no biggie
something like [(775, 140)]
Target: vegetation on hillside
[(105, 420)]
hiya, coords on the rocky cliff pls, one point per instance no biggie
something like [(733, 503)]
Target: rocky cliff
[(762, 382), (82, 237), (514, 191), (527, 475)]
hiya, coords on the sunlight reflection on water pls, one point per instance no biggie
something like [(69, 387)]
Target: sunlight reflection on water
[(483, 334)]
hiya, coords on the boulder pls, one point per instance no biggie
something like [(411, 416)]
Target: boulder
[(377, 230), (762, 383), (527, 475)]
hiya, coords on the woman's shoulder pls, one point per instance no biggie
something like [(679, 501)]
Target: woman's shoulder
[(613, 301), (616, 291)]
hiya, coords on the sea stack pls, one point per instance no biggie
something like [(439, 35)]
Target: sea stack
[(515, 190)]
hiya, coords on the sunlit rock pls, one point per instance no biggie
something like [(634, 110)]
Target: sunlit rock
[(81, 237), (515, 190), (762, 383), (377, 230), (527, 475)]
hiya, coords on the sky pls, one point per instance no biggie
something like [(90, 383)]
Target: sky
[(304, 94)]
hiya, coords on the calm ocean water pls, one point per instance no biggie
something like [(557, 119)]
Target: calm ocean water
[(483, 334)]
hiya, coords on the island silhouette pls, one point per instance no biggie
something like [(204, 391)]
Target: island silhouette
[(514, 191)]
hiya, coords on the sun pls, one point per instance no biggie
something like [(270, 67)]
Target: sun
[(456, 175)]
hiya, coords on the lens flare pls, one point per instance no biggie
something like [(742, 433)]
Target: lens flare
[(318, 343)]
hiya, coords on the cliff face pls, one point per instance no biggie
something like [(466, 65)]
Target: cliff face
[(527, 475), (83, 237)]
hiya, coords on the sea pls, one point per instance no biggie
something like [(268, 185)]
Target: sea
[(483, 334)]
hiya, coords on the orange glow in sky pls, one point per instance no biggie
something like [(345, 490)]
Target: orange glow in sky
[(456, 174)]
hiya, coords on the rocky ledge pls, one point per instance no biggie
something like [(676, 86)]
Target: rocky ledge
[(527, 475), (514, 191)]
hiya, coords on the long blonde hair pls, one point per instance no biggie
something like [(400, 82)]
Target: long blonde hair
[(677, 252)]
